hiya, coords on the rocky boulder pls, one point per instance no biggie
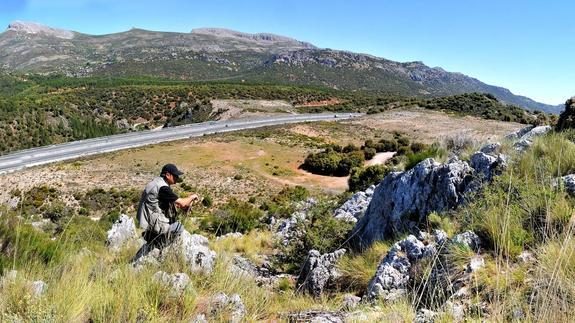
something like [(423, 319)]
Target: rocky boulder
[(221, 302), (288, 230), (192, 248), (316, 316), (448, 284), (354, 208), (122, 231), (487, 166), (177, 283), (519, 133), (468, 239), (350, 302), (526, 140), (490, 148), (411, 196), (319, 272), (569, 184), (392, 276)]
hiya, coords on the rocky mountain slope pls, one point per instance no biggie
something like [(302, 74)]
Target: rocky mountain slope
[(220, 54)]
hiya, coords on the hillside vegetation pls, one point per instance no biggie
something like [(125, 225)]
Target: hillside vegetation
[(214, 54), (522, 210), (37, 110)]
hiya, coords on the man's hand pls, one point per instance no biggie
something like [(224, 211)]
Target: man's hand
[(193, 198), (184, 203)]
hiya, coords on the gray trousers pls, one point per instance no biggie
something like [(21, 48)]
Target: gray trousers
[(162, 240)]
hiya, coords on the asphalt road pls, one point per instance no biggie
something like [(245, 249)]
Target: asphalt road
[(53, 153)]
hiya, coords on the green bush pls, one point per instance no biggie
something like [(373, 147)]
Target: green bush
[(386, 145), (417, 147), (282, 204), (99, 200), (323, 163), (322, 232), (349, 148), (350, 161), (403, 150), (291, 194), (361, 178), (369, 153), (82, 232), (234, 216), (402, 140)]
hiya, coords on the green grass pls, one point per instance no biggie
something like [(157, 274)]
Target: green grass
[(521, 210)]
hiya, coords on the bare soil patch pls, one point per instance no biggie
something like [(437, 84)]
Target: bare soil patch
[(248, 164)]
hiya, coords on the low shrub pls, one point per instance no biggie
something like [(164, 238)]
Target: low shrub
[(386, 145), (322, 232), (348, 162), (369, 153), (361, 178), (234, 216)]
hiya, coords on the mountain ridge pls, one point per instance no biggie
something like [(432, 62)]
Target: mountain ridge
[(217, 53)]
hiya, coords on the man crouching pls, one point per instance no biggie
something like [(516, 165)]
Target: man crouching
[(157, 208)]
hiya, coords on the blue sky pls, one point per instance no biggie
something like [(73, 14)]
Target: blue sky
[(527, 46)]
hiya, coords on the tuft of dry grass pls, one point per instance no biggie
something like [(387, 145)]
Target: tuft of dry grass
[(358, 269)]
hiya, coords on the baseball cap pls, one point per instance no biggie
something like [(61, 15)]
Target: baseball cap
[(172, 169)]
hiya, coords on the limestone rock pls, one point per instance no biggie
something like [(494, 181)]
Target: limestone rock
[(469, 239), (122, 231), (392, 275), (476, 262), (490, 148), (426, 188), (13, 202), (176, 282), (526, 257), (193, 248), (350, 302), (569, 183), (38, 288), (200, 318), (519, 133), (234, 304), (526, 140), (231, 235), (318, 271), (425, 316), (316, 316), (487, 166), (354, 208), (288, 230)]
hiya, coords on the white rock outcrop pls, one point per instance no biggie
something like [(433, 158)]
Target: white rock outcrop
[(354, 208), (318, 272), (177, 283), (411, 196), (526, 139), (122, 232), (193, 248), (393, 273)]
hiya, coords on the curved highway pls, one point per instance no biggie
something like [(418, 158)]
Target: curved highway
[(53, 153)]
